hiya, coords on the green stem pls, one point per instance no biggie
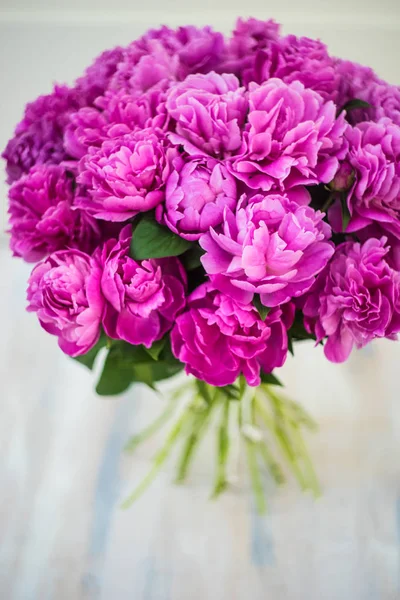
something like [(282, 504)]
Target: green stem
[(146, 433), (277, 429), (271, 463), (221, 481), (199, 427), (159, 460)]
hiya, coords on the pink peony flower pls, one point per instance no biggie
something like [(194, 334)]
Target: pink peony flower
[(218, 338), (355, 299), (209, 111), (143, 298), (293, 138), (125, 176), (197, 191), (64, 291), (272, 246), (42, 215), (373, 158)]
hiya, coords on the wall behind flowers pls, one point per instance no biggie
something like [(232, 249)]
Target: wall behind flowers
[(62, 475)]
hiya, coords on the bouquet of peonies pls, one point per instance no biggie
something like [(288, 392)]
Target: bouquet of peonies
[(202, 203)]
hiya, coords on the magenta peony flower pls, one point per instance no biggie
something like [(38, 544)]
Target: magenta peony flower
[(143, 298), (292, 138), (355, 300), (197, 191), (209, 111), (86, 128), (218, 338), (272, 246), (38, 137), (43, 218), (373, 157), (296, 59), (64, 291), (353, 80), (97, 77), (125, 176)]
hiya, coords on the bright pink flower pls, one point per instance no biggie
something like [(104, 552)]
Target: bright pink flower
[(272, 246), (143, 298), (64, 291), (219, 339)]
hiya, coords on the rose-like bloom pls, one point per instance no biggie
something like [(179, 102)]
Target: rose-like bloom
[(302, 59), (273, 246), (384, 100), (143, 298), (43, 218), (125, 176), (293, 137), (64, 291), (97, 77), (197, 191), (209, 111), (86, 128), (38, 137), (355, 300), (353, 80), (373, 157), (218, 338)]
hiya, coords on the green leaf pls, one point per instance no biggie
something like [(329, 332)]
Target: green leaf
[(156, 348), (270, 379), (345, 211), (262, 310), (117, 374), (152, 240), (353, 104), (89, 358), (191, 258)]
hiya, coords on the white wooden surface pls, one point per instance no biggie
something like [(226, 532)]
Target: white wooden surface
[(62, 473)]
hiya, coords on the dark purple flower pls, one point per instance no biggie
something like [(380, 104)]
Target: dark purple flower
[(143, 298), (219, 339), (43, 218), (197, 192), (39, 136), (96, 78), (355, 299), (64, 291)]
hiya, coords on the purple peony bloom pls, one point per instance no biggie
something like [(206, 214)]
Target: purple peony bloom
[(355, 300), (39, 136), (219, 339), (125, 176), (293, 138), (86, 128), (297, 59), (273, 246), (143, 298), (359, 82), (64, 291), (209, 111), (43, 218), (97, 77), (197, 191), (373, 158)]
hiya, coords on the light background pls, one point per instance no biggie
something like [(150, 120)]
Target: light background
[(62, 475)]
